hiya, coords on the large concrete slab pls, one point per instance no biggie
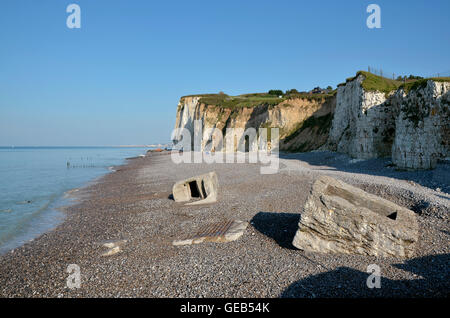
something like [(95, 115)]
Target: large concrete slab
[(340, 218)]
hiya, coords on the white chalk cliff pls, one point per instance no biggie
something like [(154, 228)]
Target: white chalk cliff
[(410, 123), (288, 116), (422, 127), (411, 127)]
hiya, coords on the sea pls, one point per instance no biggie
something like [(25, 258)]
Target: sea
[(35, 181)]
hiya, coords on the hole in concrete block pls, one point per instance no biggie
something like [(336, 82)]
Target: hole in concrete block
[(392, 216), (195, 193), (203, 189), (247, 144)]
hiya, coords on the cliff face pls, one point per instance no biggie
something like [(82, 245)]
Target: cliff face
[(368, 117), (410, 125), (364, 121), (303, 123), (422, 134)]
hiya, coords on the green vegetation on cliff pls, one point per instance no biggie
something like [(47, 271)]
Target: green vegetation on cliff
[(255, 99), (420, 109), (241, 101), (372, 82), (421, 83), (309, 96), (322, 123)]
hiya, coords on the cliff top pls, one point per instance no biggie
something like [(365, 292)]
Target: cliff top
[(254, 99), (385, 85), (422, 83), (374, 82), (371, 82)]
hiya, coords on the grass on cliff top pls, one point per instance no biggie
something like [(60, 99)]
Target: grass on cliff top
[(422, 83), (309, 96), (254, 99), (241, 101), (374, 82), (385, 85)]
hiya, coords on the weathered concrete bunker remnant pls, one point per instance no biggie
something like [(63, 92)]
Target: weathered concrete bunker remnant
[(339, 218), (221, 232), (204, 188)]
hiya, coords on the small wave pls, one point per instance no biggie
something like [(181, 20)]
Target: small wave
[(6, 211), (71, 192), (30, 225)]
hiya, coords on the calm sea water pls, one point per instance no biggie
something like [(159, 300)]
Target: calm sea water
[(34, 180)]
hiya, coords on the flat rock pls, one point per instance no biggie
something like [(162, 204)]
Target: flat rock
[(340, 218), (221, 232)]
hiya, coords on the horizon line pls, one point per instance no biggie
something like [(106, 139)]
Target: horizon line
[(91, 146)]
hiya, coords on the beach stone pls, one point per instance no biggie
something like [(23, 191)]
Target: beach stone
[(340, 218), (112, 251), (203, 187), (114, 247)]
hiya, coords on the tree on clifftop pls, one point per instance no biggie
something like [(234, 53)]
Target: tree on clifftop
[(292, 91), (276, 92)]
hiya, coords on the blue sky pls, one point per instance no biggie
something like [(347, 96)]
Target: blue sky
[(118, 79)]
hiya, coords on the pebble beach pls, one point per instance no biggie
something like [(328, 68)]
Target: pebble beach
[(132, 209)]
